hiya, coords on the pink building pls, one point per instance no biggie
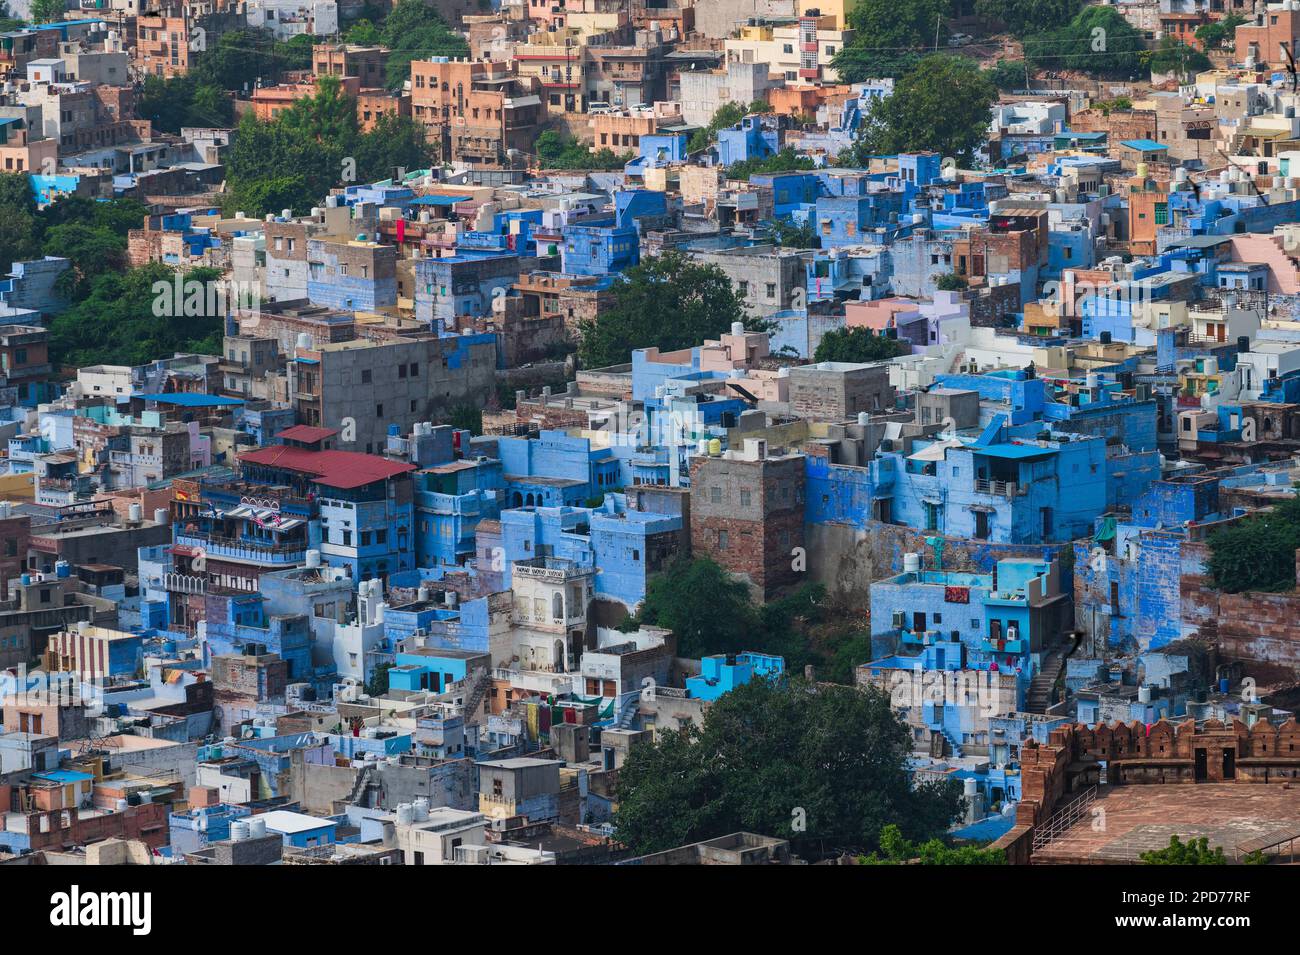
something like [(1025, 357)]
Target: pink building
[(881, 314)]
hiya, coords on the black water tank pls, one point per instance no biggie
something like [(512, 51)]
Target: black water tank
[(1243, 344), (1104, 338)]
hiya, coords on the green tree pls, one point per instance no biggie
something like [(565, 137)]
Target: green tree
[(556, 151), (669, 302), (363, 33), (8, 22), (1219, 34), (708, 610), (467, 418), (1023, 17), (413, 31), (48, 11), (724, 117), (856, 345), (951, 282), (838, 754), (1009, 75), (1117, 104), (895, 849), (239, 58), (92, 250), (1257, 553), (1193, 852), (1098, 41), (786, 160), (944, 104), (171, 104), (890, 36), (121, 321), (377, 685), (787, 234), (20, 226), (1175, 56)]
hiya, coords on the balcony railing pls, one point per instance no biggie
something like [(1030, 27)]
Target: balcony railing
[(998, 488), (248, 551)]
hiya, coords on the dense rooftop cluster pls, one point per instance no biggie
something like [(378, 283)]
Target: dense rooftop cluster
[(437, 440)]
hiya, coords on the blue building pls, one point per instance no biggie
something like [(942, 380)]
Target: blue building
[(721, 674), (609, 243), (555, 468)]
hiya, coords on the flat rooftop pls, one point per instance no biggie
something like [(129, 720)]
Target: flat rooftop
[(1139, 818)]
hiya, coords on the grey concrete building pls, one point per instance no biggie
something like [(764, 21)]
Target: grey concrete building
[(768, 278), (363, 387)]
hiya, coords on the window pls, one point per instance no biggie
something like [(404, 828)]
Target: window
[(365, 376), (744, 498), (715, 495), (722, 540)]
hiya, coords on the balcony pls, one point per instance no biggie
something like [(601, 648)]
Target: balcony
[(249, 552), (536, 681), (1007, 489), (1019, 645)]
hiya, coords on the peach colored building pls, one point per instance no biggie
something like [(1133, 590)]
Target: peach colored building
[(19, 153), (879, 315), (1261, 44), (1278, 251), (372, 104), (737, 350)]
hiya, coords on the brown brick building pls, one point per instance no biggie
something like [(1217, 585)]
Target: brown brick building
[(747, 514)]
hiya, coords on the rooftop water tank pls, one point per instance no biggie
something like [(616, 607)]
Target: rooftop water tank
[(256, 827), (405, 814), (911, 563), (238, 830)]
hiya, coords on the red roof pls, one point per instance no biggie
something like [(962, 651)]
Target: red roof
[(307, 434), (341, 469)]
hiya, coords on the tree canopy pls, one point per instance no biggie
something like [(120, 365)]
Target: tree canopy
[(786, 160), (1098, 41), (724, 117), (1257, 553), (1220, 34), (1024, 17), (1175, 56), (890, 36), (943, 104), (711, 612), (668, 302), (1192, 852), (896, 849), (556, 151), (823, 766), (414, 31), (856, 345), (118, 321), (293, 161)]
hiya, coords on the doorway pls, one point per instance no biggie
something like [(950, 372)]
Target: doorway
[(1229, 764), (1201, 766)]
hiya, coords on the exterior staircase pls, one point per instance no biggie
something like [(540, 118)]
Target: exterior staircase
[(627, 715), (483, 679), (360, 786), (1043, 686)]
